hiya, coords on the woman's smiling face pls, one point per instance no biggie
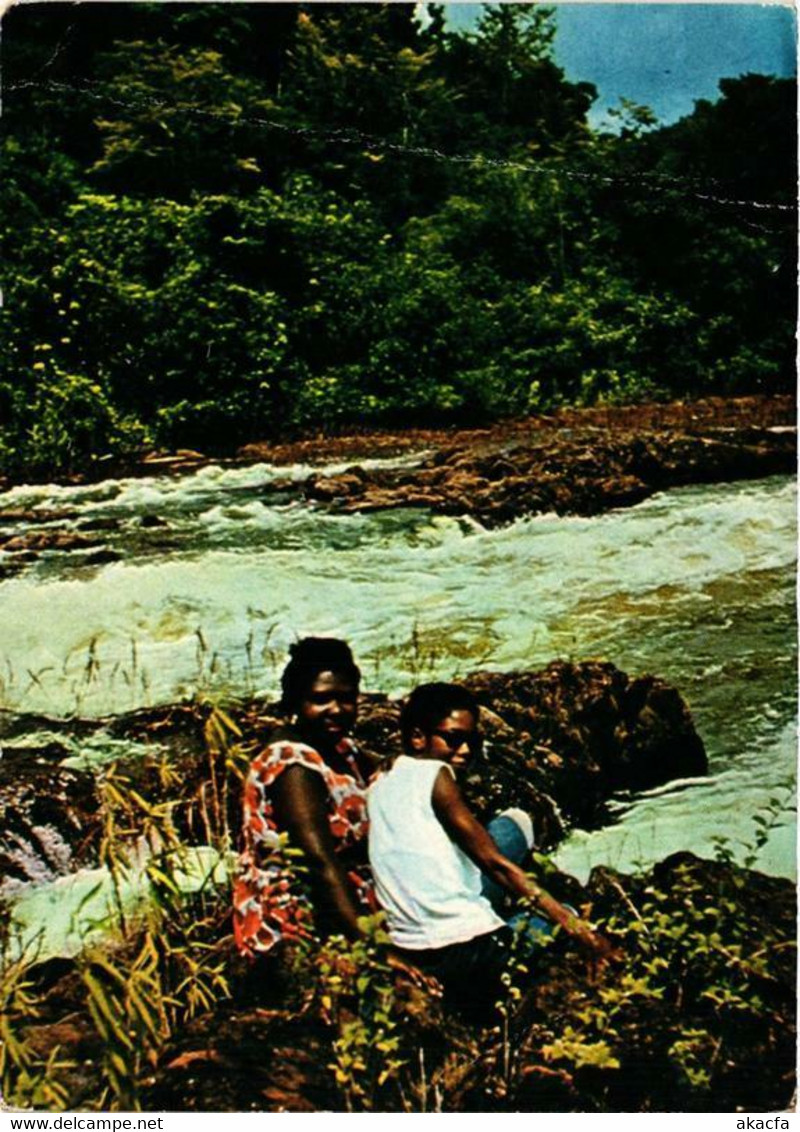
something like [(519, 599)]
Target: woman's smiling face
[(327, 711)]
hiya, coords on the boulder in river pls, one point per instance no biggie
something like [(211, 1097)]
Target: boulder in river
[(582, 474), (37, 515), (582, 732), (47, 540), (102, 556), (562, 740), (108, 523)]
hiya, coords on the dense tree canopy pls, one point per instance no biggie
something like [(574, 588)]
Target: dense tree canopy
[(231, 221)]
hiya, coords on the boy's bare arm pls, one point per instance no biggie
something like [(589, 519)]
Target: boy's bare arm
[(468, 833)]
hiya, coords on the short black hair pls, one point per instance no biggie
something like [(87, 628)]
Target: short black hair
[(429, 704), (309, 658)]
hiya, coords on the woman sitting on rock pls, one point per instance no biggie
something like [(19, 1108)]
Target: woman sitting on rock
[(438, 872), (309, 783)]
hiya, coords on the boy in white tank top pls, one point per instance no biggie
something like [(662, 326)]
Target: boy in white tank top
[(434, 863)]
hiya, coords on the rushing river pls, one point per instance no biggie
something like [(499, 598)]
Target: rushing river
[(218, 573)]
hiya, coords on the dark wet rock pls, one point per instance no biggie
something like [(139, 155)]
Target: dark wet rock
[(179, 727), (49, 814), (16, 725), (12, 566), (583, 732), (47, 750), (49, 821), (282, 486), (100, 524), (566, 474), (103, 556)]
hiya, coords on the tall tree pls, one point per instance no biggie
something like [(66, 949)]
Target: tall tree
[(511, 95)]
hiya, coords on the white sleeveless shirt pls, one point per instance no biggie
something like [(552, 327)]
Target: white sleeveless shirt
[(430, 889)]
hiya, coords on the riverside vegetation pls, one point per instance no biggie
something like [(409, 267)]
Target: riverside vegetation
[(242, 222), (161, 1014)]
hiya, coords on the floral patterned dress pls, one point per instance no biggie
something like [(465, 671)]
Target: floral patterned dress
[(268, 903)]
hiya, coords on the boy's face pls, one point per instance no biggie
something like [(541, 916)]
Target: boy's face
[(454, 740)]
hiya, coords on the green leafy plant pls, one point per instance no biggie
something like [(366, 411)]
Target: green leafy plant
[(357, 993), (696, 985), (127, 1005)]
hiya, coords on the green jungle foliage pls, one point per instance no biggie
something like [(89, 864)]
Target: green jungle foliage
[(229, 222)]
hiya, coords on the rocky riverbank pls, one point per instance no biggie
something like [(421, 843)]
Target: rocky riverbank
[(565, 474), (697, 1015), (582, 1039), (730, 414)]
